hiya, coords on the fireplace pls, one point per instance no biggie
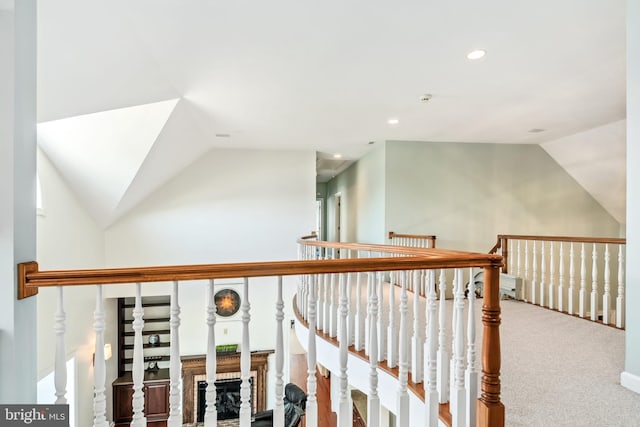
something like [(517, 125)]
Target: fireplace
[(228, 370), (227, 398)]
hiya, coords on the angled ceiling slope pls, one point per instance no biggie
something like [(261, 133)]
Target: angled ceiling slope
[(100, 154)]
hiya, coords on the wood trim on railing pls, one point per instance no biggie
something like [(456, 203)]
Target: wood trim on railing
[(313, 235), (32, 279), (429, 237), (24, 270), (611, 240)]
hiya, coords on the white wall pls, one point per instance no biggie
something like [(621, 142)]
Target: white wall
[(17, 194), (229, 206), (362, 189), (596, 158), (69, 238), (466, 194), (631, 376)]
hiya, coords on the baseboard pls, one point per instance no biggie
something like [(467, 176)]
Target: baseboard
[(630, 381)]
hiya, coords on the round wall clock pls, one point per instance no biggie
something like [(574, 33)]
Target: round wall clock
[(227, 302)]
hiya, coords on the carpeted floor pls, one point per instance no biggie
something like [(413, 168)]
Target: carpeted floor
[(558, 370)]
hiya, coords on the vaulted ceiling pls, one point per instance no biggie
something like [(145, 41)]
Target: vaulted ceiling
[(129, 93)]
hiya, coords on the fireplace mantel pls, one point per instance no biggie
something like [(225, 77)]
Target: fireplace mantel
[(193, 366)]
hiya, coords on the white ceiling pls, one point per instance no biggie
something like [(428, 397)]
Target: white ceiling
[(299, 74)]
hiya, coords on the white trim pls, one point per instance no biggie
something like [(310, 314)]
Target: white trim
[(630, 381)]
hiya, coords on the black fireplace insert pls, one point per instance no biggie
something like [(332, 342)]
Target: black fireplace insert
[(227, 398)]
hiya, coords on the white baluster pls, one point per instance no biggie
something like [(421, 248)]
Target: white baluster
[(417, 341), (326, 316), (471, 373), (431, 365), (344, 411), (458, 403), (211, 413), (443, 354), (245, 361), (606, 298), (594, 284), (175, 367), (552, 274), (392, 340), (99, 369), (542, 273), (333, 324), (511, 257), (367, 326), (561, 279), (454, 330), (403, 371), (582, 297), (534, 279), (526, 270), (139, 420), (278, 411), (352, 324), (322, 282), (519, 266), (382, 326), (312, 403), (620, 297), (373, 403), (60, 371), (572, 279), (360, 327)]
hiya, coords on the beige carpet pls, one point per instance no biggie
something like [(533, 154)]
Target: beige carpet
[(558, 370)]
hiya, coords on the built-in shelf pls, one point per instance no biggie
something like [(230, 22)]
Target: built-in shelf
[(149, 359), (162, 344), (149, 332), (156, 319), (149, 304)]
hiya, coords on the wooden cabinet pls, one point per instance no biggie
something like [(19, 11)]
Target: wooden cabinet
[(156, 398)]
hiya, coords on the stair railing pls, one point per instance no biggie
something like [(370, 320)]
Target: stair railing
[(582, 276), (371, 264), (433, 349), (414, 240)]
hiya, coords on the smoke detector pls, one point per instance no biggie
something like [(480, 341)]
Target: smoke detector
[(426, 97)]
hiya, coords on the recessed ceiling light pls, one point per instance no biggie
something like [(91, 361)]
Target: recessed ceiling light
[(393, 121), (476, 54), (223, 135), (536, 130), (337, 156)]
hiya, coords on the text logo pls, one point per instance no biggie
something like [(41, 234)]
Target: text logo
[(34, 415)]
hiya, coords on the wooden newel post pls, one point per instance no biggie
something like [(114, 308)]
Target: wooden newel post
[(490, 408), (505, 255)]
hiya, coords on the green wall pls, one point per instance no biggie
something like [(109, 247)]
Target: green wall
[(362, 190), (466, 194)]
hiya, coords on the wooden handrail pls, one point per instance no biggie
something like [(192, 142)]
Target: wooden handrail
[(31, 278), (430, 237), (611, 240), (313, 235)]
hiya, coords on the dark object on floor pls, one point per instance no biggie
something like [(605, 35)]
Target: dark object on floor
[(295, 402)]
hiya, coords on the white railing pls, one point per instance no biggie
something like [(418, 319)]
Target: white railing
[(412, 240), (429, 339), (596, 292), (360, 278)]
